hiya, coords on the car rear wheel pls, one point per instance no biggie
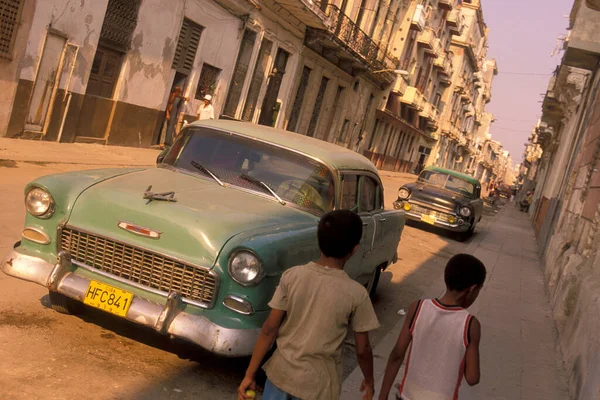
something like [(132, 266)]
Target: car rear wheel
[(63, 304), (374, 281)]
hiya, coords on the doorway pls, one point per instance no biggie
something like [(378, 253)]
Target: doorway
[(46, 83), (174, 106), (270, 106)]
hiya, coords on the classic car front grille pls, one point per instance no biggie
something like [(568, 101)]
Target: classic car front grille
[(416, 208), (140, 266)]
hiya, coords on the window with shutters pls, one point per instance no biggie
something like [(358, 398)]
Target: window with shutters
[(187, 45), (208, 81), (312, 126), (119, 23), (257, 79), (10, 14), (297, 107), (239, 73)]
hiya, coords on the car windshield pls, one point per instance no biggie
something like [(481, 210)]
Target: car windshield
[(448, 181), (250, 164)]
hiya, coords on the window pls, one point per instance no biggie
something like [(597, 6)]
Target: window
[(105, 72), (10, 15), (297, 107), (119, 23), (369, 195), (349, 192), (312, 126), (187, 44), (239, 74), (208, 81), (257, 79)]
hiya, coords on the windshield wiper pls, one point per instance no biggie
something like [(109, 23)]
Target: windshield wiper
[(202, 168), (257, 182), (165, 196)]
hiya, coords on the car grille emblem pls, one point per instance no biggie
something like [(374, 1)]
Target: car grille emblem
[(139, 230)]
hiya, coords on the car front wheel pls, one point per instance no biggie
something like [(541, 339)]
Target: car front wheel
[(63, 304)]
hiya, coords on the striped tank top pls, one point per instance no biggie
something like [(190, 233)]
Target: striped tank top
[(436, 359)]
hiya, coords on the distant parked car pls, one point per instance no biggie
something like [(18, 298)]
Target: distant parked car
[(444, 198), (195, 247)]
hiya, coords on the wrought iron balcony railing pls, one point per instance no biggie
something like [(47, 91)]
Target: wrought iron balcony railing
[(355, 39)]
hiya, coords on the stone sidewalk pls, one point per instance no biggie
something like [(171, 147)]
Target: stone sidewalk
[(520, 357), (43, 152)]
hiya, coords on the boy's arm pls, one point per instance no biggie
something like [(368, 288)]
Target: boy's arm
[(364, 355), (472, 371), (265, 340), (398, 352)]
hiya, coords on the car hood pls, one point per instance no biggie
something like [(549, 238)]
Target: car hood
[(194, 228), (436, 196)]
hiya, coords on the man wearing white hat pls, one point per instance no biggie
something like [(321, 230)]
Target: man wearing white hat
[(206, 111)]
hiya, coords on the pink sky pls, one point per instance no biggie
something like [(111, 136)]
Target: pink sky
[(523, 34)]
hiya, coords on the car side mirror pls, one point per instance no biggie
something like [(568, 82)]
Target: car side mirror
[(162, 155)]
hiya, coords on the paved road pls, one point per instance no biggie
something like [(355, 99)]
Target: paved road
[(47, 355)]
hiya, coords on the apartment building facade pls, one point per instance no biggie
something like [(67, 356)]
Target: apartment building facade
[(395, 80), (562, 164)]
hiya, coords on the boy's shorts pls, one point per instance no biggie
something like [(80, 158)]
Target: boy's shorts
[(272, 392)]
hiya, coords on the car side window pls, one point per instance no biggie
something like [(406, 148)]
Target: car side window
[(369, 195), (349, 192)]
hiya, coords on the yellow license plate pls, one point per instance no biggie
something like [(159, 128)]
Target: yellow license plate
[(108, 298), (429, 219)]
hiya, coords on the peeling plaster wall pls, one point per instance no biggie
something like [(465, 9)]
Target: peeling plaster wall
[(9, 70), (572, 263), (80, 20)]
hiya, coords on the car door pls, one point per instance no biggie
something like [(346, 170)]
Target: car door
[(388, 224), (350, 197)]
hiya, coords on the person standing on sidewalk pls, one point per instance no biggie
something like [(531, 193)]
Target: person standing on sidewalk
[(310, 313), (171, 114), (206, 111), (443, 338)]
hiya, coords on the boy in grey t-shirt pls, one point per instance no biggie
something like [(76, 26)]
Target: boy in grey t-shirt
[(311, 310)]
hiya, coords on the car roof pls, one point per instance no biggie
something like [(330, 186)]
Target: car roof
[(457, 174), (335, 156)]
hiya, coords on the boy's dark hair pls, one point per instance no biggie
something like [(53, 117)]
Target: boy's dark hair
[(339, 232), (464, 271)]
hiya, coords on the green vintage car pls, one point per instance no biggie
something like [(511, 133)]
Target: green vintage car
[(195, 247)]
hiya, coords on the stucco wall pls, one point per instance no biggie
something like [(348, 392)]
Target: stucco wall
[(10, 70), (572, 265), (81, 21)]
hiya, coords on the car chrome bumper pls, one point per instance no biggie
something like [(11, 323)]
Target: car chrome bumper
[(168, 319)]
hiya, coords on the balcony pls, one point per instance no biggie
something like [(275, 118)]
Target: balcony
[(413, 98), (419, 18), (428, 40), (346, 45), (310, 13), (446, 4), (443, 63), (455, 21), (582, 47), (400, 85)]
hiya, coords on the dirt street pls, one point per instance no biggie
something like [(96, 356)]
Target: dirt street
[(47, 355)]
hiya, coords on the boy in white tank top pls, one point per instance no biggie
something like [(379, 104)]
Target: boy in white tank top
[(441, 337)]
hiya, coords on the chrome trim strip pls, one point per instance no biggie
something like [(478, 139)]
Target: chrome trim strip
[(41, 232), (239, 300)]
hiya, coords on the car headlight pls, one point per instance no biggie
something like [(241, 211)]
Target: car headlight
[(245, 268), (403, 193), (39, 203), (465, 211)]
